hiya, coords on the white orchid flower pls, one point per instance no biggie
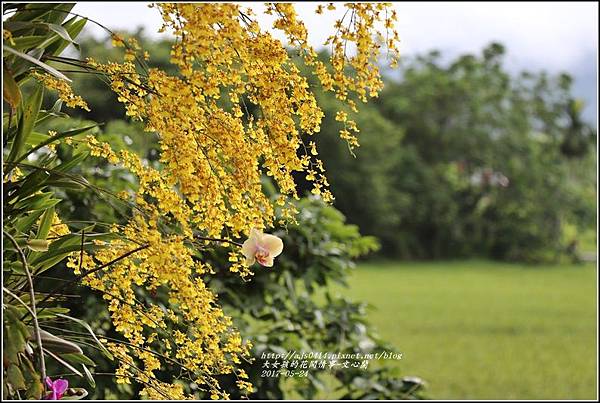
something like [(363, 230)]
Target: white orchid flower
[(261, 248)]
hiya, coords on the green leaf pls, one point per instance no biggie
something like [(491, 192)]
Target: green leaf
[(69, 239), (16, 26), (78, 359), (63, 362), (34, 389), (40, 201), (27, 42), (73, 27), (56, 137), (33, 183), (89, 376), (59, 13), (35, 138), (13, 343), (58, 345), (26, 122), (35, 61), (42, 232), (15, 377), (23, 225), (89, 329), (48, 40), (66, 183), (52, 113), (72, 162), (50, 313), (10, 89), (55, 255), (15, 267), (38, 245), (28, 15), (46, 223), (63, 33)]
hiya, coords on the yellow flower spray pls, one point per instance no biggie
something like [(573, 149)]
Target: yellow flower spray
[(235, 111)]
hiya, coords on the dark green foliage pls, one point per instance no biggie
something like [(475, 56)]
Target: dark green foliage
[(464, 160), (291, 308)]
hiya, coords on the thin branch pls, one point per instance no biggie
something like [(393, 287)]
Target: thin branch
[(153, 352), (16, 297), (87, 273), (36, 326), (202, 238), (81, 252)]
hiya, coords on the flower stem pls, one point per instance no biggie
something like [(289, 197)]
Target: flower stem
[(87, 273), (36, 326), (202, 238)]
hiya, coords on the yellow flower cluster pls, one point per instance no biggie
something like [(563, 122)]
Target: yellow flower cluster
[(131, 47), (364, 28), (58, 229), (7, 35), (13, 176), (236, 110), (195, 335), (239, 106), (63, 88), (153, 388)]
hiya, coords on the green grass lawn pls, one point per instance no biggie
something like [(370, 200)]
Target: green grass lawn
[(483, 330)]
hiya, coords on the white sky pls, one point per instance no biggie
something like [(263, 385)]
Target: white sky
[(549, 35)]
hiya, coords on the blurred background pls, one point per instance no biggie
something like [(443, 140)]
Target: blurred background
[(477, 175)]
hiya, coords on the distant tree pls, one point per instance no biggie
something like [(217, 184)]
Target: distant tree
[(465, 159)]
